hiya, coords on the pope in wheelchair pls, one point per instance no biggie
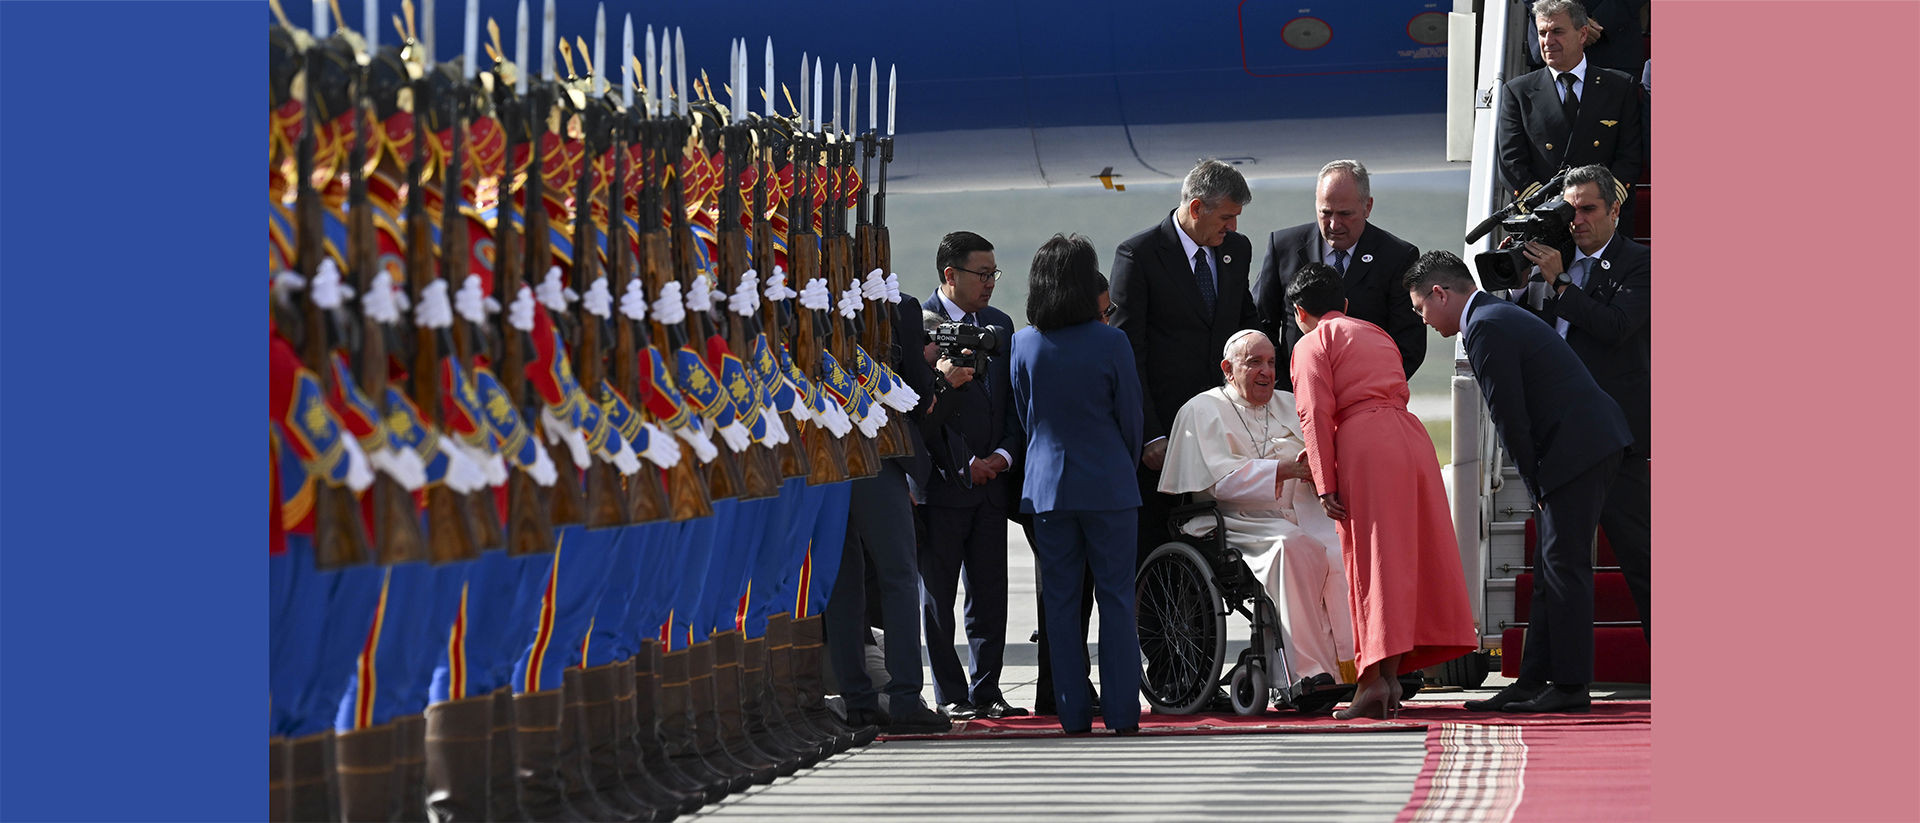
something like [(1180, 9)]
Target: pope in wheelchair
[(1240, 446)]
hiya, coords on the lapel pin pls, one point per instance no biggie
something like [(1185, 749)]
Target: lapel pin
[(1608, 123), (1226, 258), (1606, 264), (1366, 258)]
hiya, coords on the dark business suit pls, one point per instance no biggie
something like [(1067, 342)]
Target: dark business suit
[(880, 530), (967, 525), (1076, 392), (1536, 140), (1176, 341), (1609, 327), (1621, 46), (1374, 294), (1566, 437)]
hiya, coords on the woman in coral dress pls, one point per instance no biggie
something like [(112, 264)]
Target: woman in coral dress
[(1379, 479)]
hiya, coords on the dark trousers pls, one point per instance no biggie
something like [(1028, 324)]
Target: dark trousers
[(1559, 645), (1628, 519), (879, 531), (1043, 702), (970, 541), (1068, 543)]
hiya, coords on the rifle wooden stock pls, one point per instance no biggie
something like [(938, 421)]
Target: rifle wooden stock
[(529, 530), (758, 461), (339, 535), (646, 495), (829, 455), (792, 454), (483, 516), (566, 505), (690, 492), (606, 498), (863, 454), (396, 523), (448, 531)]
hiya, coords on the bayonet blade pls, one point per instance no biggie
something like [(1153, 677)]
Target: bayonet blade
[(626, 63), (470, 49), (893, 85), (546, 43), (599, 66), (873, 95), (769, 86), (680, 69), (521, 31), (836, 98)]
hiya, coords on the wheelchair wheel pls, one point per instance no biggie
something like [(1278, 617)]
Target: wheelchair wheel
[(1183, 629), (1249, 689)]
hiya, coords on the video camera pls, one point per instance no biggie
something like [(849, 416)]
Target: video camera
[(1542, 216), (969, 345)]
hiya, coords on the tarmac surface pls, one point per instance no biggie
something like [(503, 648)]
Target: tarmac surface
[(1281, 777)]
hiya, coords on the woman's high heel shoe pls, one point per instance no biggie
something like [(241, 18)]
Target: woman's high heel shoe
[(1369, 701)]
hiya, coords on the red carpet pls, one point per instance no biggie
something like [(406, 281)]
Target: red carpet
[(1588, 772), (1413, 717)]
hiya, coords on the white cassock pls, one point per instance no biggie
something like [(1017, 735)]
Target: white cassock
[(1225, 450)]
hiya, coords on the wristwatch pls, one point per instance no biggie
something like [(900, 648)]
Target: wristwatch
[(1562, 281)]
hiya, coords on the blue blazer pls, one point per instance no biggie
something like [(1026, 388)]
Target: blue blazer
[(1553, 418), (1077, 395)]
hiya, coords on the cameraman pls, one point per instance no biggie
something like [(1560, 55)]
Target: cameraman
[(1600, 304), (967, 497)]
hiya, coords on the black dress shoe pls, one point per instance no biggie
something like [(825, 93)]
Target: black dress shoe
[(1515, 692), (960, 711), (867, 717), (1556, 699), (1127, 730), (920, 720), (999, 709)]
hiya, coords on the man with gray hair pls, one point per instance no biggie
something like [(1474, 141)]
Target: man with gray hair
[(1369, 258), (1570, 113), (1179, 291)]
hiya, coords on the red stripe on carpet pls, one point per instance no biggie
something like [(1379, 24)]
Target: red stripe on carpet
[(1472, 773)]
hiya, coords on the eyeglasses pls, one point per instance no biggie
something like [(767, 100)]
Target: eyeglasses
[(985, 276), (1111, 308)]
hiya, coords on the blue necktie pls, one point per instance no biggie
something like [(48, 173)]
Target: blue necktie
[(1203, 274), (1340, 260)]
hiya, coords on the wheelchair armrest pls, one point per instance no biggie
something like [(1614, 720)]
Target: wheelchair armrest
[(1180, 514)]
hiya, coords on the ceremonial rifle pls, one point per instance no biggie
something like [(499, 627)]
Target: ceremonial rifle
[(692, 493), (758, 462), (529, 529), (606, 498), (830, 456), (396, 521), (726, 478), (647, 493), (863, 456), (455, 104), (449, 535), (566, 503), (774, 314), (339, 535)]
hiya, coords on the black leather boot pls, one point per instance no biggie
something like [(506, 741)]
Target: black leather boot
[(758, 712), (706, 719), (729, 683), (313, 794), (364, 762), (503, 760), (678, 731), (600, 734), (459, 734), (640, 781), (581, 794), (410, 768), (786, 688), (808, 659), (648, 716), (543, 790)]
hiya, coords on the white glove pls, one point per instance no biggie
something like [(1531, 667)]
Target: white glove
[(559, 431), (662, 449), (875, 287), (633, 304), (520, 314), (875, 419), (404, 466), (777, 285), (496, 469), (746, 297), (776, 431), (900, 397), (668, 309), (893, 288), (703, 449), (737, 436), (800, 411), (328, 291), (850, 303), (625, 460), (463, 475), (471, 302), (543, 471), (359, 471), (599, 299), (286, 283), (816, 296), (699, 298), (400, 298), (835, 419), (434, 312), (553, 293), (379, 303)]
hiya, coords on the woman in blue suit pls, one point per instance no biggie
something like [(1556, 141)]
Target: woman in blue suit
[(1077, 394)]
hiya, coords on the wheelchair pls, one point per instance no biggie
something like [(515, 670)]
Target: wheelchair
[(1184, 592)]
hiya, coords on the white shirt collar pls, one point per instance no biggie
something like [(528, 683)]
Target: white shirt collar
[(1191, 247), (1579, 255), (1326, 248), (1579, 73), (953, 311), (1467, 306)]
